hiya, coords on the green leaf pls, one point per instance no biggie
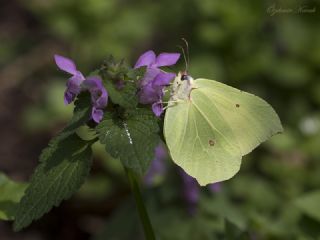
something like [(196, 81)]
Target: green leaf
[(10, 194), (64, 166), (81, 115), (131, 139), (309, 204), (126, 96)]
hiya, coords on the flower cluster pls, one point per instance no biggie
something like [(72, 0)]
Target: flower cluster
[(78, 83), (154, 81), (151, 86)]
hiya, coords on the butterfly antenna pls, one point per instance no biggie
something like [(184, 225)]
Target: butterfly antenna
[(184, 56), (187, 50)]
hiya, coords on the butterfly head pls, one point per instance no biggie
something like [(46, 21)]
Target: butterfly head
[(185, 76)]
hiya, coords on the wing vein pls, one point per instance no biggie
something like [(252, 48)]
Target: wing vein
[(207, 120)]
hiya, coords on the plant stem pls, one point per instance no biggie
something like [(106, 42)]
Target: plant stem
[(143, 214)]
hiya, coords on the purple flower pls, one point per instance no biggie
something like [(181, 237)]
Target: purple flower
[(154, 80), (157, 108), (191, 191), (74, 83), (157, 168), (77, 83), (149, 59), (99, 97), (215, 187)]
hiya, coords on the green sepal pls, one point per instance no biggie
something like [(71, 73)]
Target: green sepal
[(126, 96), (121, 82)]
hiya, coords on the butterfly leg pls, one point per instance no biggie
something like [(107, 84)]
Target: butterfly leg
[(170, 103)]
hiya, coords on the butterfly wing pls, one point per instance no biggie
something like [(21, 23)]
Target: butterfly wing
[(199, 141), (208, 134), (251, 119)]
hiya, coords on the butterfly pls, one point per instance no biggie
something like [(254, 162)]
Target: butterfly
[(209, 126)]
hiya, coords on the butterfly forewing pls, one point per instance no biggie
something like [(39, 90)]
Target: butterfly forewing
[(251, 119)]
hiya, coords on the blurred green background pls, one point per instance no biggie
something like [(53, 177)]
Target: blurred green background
[(246, 44)]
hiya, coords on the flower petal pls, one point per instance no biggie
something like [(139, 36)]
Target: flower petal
[(149, 76), (158, 167), (191, 191), (148, 94), (73, 88), (146, 59), (74, 83), (157, 108), (69, 97), (92, 82), (161, 151), (167, 59), (99, 95), (65, 64), (163, 79), (215, 187), (96, 114), (191, 188)]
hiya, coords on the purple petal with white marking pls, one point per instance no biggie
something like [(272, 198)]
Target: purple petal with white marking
[(65, 64), (146, 59), (162, 79), (167, 59)]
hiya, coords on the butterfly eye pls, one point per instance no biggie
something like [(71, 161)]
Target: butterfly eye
[(184, 77)]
